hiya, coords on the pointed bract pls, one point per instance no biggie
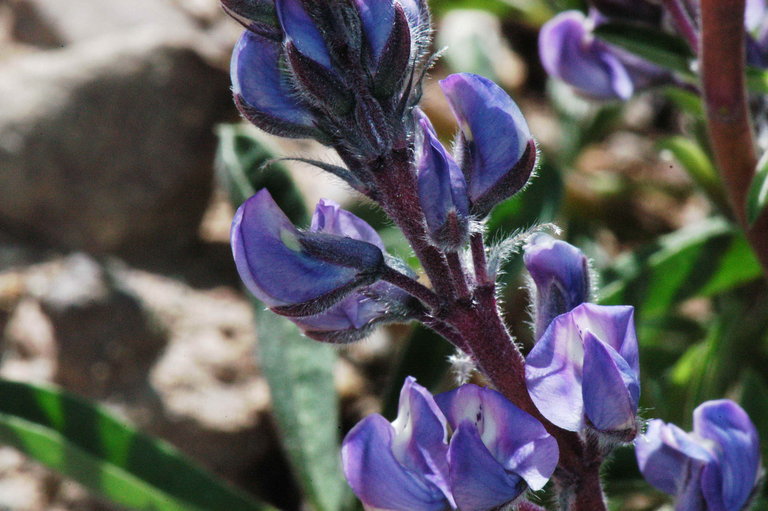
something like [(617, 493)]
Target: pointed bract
[(259, 16), (584, 373), (264, 96), (378, 17), (496, 151), (354, 317), (400, 466)]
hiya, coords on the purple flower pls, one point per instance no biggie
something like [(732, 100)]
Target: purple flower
[(442, 191), (355, 316), (560, 273), (262, 93), (584, 371), (496, 167), (714, 468), (297, 273), (401, 466), (497, 450), (568, 51)]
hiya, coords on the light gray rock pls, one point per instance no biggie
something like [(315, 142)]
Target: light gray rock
[(107, 145), (52, 23)]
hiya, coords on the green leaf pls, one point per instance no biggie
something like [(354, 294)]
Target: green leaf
[(300, 375), (754, 396), (695, 160), (757, 80), (655, 46), (757, 196), (703, 259), (84, 442), (299, 370)]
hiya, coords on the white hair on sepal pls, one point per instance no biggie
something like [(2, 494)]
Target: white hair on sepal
[(462, 366)]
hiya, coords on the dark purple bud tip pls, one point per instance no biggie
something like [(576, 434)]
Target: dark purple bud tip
[(495, 149), (277, 267), (392, 65), (716, 467), (560, 273), (442, 191), (584, 373), (259, 16)]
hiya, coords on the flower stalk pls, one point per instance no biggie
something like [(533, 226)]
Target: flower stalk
[(723, 74)]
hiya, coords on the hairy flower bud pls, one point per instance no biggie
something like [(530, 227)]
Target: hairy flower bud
[(296, 273), (714, 468), (495, 149), (583, 374), (560, 273), (262, 94), (442, 191)]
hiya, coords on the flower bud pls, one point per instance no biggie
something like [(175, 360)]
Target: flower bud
[(583, 374), (295, 273), (714, 468), (560, 273), (401, 466), (442, 191), (262, 93), (497, 450), (356, 315), (495, 167)]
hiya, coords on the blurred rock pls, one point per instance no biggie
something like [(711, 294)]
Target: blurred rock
[(55, 23), (107, 146), (106, 342)]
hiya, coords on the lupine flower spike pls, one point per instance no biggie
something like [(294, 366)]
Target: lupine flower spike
[(714, 468)]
